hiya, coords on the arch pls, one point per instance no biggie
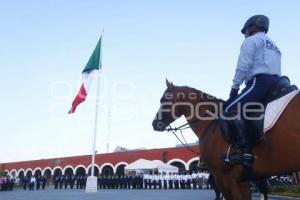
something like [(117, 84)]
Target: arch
[(193, 164), (96, 168), (13, 173), (107, 169), (80, 167), (57, 171), (21, 173), (21, 170), (47, 172), (106, 164), (47, 168), (119, 168), (28, 172), (178, 163), (36, 170), (68, 167)]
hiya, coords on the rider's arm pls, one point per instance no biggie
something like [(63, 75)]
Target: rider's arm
[(244, 62)]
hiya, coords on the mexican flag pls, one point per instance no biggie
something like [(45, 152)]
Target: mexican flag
[(91, 70)]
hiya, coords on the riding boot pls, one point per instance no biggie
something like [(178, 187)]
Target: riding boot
[(239, 128), (243, 142)]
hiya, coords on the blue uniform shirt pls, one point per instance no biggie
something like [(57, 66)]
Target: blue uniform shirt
[(258, 55)]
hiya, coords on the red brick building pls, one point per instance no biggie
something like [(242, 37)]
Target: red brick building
[(108, 163)]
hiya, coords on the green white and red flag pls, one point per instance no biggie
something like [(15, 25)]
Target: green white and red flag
[(91, 70)]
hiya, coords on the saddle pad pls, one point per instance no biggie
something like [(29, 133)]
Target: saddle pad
[(275, 108)]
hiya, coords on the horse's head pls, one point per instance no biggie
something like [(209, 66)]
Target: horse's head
[(167, 112)]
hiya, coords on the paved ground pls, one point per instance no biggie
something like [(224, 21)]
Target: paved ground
[(110, 194)]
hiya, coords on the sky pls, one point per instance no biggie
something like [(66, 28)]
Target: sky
[(44, 45)]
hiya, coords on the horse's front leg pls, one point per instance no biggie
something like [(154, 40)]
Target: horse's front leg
[(245, 190), (232, 189), (224, 188)]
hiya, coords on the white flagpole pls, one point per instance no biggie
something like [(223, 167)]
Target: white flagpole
[(92, 183)]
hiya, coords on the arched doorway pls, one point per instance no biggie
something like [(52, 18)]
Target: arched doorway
[(38, 173), (107, 170), (47, 174), (57, 172), (68, 172), (80, 171), (96, 171), (13, 174), (29, 174), (194, 166), (21, 175), (120, 169), (178, 164)]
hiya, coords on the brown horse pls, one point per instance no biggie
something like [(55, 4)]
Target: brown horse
[(194, 105)]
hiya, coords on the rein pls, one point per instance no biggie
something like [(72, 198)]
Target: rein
[(187, 126), (180, 128)]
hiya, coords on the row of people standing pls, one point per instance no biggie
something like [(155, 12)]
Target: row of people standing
[(71, 182), (34, 183), (6, 183), (185, 180), (120, 182), (155, 181)]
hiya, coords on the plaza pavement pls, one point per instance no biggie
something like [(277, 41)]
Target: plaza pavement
[(51, 194)]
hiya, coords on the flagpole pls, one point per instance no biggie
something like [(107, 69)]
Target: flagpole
[(93, 184), (96, 112)]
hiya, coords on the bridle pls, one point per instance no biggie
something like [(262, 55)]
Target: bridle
[(187, 126)]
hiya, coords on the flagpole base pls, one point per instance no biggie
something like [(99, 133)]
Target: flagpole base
[(91, 184)]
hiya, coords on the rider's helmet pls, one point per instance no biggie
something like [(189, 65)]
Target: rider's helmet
[(260, 21)]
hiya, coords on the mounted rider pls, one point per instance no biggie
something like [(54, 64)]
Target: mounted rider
[(259, 67)]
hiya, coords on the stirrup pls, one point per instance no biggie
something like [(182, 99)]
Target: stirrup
[(227, 160), (250, 155)]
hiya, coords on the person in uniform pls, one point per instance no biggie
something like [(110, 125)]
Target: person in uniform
[(145, 179), (189, 180), (61, 182), (56, 180), (72, 181), (171, 180), (156, 179), (165, 178), (126, 182), (67, 181), (81, 182), (176, 180), (25, 183), (77, 182), (194, 180), (44, 181), (38, 182), (32, 183), (200, 176), (122, 181), (160, 180), (84, 181), (150, 180), (259, 67), (182, 180)]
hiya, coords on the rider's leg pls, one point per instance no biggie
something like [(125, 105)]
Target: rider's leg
[(255, 91)]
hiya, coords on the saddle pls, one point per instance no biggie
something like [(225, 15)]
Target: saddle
[(255, 128)]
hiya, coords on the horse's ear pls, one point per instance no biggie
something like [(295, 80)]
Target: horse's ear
[(169, 84)]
